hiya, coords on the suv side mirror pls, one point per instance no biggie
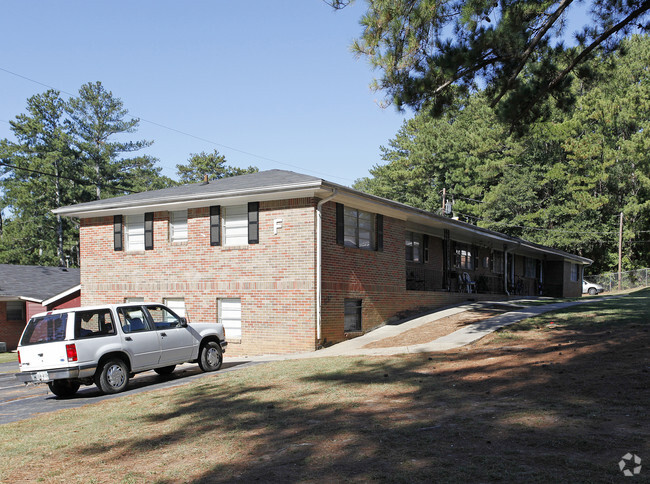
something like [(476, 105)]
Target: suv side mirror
[(183, 322)]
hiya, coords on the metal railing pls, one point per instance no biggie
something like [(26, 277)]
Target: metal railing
[(629, 279)]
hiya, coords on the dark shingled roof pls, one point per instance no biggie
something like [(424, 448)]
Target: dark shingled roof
[(36, 282), (260, 180)]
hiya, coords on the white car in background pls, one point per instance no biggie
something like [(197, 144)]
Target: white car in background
[(106, 345), (591, 288)]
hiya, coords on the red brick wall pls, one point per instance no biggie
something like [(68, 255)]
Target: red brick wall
[(10, 331), (378, 278), (275, 279)]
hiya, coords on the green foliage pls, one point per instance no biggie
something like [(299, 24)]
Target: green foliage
[(213, 165), (65, 153), (563, 183), (423, 48)]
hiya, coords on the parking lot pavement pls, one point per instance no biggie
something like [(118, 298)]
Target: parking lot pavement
[(19, 401)]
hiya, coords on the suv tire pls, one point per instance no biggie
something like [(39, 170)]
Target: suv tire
[(113, 376), (64, 388), (211, 356)]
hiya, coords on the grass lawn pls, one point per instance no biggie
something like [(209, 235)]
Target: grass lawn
[(8, 357), (558, 398)]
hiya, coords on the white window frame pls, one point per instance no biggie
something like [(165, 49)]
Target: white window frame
[(134, 233), (230, 315), (133, 300), (178, 226), (235, 225)]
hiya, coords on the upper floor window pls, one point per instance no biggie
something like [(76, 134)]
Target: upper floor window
[(178, 226), (463, 258), (530, 267), (359, 229), (575, 271), (134, 232), (235, 225), (414, 246)]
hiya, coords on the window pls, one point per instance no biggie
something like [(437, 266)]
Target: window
[(463, 258), (530, 268), (15, 311), (235, 225), (134, 233), (133, 319), (178, 226), (134, 300), (176, 304), (497, 262), (352, 319), (45, 329), (163, 318), (414, 244), (230, 317), (575, 271), (89, 324), (359, 229)]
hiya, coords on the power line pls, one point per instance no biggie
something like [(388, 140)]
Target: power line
[(53, 175), (205, 140)]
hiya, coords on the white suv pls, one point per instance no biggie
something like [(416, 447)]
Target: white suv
[(107, 345)]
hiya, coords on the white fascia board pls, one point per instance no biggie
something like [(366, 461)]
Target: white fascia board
[(30, 299), (234, 197), (72, 290)]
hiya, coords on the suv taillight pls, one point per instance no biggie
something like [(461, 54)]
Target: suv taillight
[(18, 357), (71, 351)]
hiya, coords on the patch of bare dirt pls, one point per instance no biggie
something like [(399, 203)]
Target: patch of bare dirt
[(436, 329)]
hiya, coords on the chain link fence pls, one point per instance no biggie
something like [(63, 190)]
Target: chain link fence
[(629, 279)]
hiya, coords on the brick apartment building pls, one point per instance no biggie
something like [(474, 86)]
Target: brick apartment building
[(288, 261), (28, 290)]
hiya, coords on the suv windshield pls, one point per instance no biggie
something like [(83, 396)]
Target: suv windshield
[(45, 329)]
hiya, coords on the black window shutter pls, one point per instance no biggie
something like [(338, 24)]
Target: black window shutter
[(380, 232), (117, 232), (215, 225), (148, 231), (340, 224), (253, 223)]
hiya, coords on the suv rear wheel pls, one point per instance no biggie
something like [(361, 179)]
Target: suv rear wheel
[(64, 388), (113, 377)]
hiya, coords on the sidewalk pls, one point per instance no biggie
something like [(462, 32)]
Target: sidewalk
[(464, 336)]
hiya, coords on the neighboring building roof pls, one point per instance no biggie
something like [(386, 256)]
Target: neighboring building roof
[(37, 283), (283, 184)]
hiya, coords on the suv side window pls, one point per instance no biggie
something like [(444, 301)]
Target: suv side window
[(133, 319), (89, 324), (163, 318)]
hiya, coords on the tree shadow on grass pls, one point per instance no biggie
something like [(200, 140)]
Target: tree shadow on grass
[(564, 408)]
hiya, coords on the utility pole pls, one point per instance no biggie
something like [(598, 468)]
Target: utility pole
[(444, 196), (620, 251)]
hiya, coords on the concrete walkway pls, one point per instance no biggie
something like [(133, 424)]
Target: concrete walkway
[(461, 337)]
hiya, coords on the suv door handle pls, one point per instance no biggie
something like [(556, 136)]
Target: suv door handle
[(163, 334), (128, 338)]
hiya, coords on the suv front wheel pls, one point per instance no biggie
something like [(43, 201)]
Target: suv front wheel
[(211, 356), (113, 377)]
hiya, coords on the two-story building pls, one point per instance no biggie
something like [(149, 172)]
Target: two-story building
[(289, 262)]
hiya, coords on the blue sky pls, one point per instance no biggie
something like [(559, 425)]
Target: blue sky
[(271, 79), (269, 84)]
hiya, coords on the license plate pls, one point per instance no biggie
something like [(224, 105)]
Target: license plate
[(41, 376)]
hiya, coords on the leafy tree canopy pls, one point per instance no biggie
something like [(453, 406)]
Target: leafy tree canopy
[(213, 165), (563, 183), (426, 48)]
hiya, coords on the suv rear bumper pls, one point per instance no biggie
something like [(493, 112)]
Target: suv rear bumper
[(45, 376)]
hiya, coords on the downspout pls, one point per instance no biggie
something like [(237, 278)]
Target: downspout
[(505, 269), (319, 257)]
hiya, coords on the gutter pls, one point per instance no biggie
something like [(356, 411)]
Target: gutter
[(319, 257)]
